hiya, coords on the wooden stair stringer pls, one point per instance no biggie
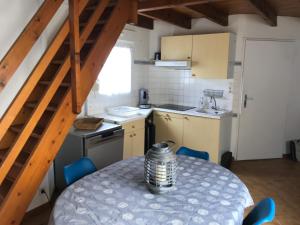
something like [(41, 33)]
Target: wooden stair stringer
[(38, 112), (17, 200)]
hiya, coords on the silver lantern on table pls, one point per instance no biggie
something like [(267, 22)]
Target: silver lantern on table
[(160, 168)]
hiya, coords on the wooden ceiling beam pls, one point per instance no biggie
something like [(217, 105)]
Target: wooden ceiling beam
[(167, 4), (170, 16), (265, 10), (211, 13), (145, 22)]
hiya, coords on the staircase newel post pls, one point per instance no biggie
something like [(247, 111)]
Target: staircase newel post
[(75, 55), (133, 15)]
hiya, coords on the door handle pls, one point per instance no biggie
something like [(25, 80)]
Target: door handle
[(246, 99)]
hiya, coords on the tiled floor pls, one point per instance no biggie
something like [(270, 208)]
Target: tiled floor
[(278, 178)]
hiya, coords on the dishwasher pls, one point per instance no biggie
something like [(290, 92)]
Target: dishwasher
[(103, 146)]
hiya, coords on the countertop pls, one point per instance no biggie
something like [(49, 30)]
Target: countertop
[(143, 113)]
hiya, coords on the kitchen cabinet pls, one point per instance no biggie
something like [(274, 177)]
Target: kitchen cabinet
[(169, 126), (211, 56), (195, 132), (176, 47), (134, 138), (202, 134)]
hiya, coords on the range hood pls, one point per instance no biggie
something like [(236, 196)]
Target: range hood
[(175, 64)]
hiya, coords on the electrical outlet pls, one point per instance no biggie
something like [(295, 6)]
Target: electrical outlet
[(44, 193)]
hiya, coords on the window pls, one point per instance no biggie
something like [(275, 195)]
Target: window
[(115, 76)]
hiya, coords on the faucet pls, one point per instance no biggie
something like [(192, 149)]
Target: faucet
[(212, 98)]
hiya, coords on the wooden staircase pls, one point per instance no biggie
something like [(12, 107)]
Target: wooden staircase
[(37, 121)]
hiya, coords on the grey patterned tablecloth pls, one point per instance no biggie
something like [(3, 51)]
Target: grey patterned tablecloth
[(205, 193)]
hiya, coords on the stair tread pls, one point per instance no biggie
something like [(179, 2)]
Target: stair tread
[(20, 160), (64, 84), (4, 188), (90, 41), (15, 169), (13, 173), (99, 22), (51, 107), (37, 132), (93, 7), (57, 62)]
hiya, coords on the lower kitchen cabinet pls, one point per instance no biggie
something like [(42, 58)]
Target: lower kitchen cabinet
[(199, 133), (169, 126), (202, 134), (134, 138), (138, 142)]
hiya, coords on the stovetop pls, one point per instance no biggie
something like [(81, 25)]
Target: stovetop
[(175, 107)]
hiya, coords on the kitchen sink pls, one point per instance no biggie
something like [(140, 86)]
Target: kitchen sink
[(123, 111), (211, 111)]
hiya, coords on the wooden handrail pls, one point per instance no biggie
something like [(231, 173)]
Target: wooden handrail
[(41, 158), (25, 92), (21, 47)]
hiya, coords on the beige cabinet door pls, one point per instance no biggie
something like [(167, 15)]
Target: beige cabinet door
[(127, 148), (138, 141), (175, 131), (210, 55), (161, 128), (202, 134), (176, 47)]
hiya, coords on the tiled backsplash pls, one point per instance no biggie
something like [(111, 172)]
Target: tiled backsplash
[(165, 86), (180, 87)]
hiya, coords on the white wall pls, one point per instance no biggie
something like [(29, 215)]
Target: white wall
[(244, 26)]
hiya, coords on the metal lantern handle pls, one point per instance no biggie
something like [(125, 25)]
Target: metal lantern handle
[(171, 143)]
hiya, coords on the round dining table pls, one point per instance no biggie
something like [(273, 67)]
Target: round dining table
[(205, 193)]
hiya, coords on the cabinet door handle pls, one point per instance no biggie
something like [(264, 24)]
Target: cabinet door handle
[(193, 75), (167, 115), (133, 126), (134, 135), (130, 135), (186, 118)]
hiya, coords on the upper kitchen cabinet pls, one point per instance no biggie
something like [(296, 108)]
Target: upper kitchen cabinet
[(213, 56), (176, 47)]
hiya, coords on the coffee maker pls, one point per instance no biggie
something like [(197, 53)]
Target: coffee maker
[(144, 98)]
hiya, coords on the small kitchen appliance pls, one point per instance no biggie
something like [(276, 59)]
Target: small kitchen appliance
[(144, 98), (160, 168)]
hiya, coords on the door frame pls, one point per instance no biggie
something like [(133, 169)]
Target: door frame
[(241, 92)]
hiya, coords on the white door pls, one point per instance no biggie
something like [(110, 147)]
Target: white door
[(267, 70)]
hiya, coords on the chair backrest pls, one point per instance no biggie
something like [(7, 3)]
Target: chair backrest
[(194, 153), (263, 212), (78, 169)]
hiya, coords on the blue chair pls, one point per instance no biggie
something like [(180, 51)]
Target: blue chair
[(78, 169), (263, 212), (190, 152)]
